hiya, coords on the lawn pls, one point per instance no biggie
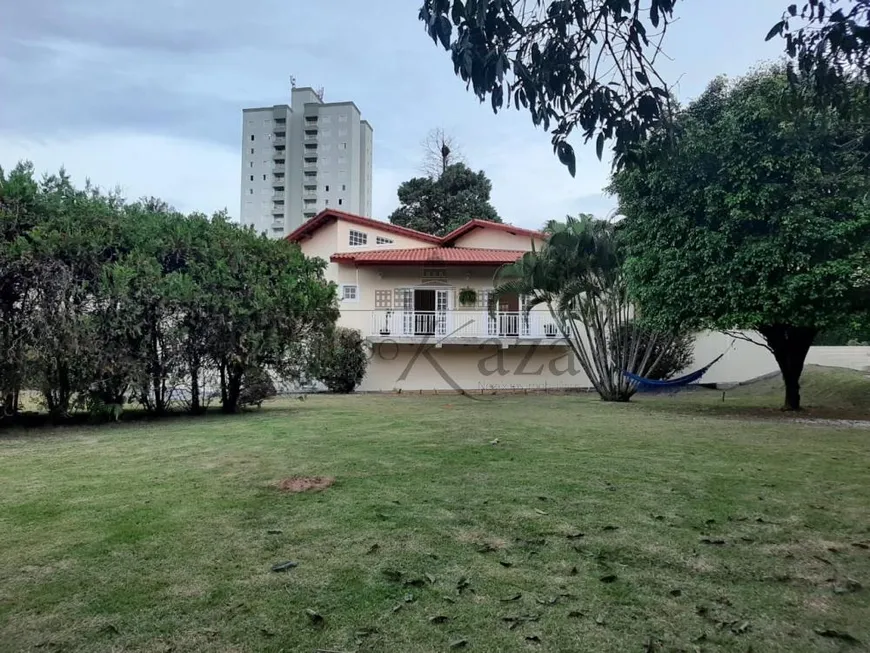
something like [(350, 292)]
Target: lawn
[(505, 523)]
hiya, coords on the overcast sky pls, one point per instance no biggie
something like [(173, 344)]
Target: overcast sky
[(148, 95)]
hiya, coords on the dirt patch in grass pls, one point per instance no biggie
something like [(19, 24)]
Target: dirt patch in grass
[(305, 483)]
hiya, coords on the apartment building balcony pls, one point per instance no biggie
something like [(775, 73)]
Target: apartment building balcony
[(278, 194), (279, 141), (463, 327), (310, 136), (309, 194), (279, 181), (309, 164), (279, 126), (279, 167), (280, 154)]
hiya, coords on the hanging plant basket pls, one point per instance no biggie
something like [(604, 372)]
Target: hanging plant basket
[(467, 297)]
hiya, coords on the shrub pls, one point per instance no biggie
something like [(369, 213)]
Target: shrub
[(678, 356), (343, 363), (257, 386)]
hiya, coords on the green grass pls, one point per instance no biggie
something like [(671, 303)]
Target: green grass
[(155, 536)]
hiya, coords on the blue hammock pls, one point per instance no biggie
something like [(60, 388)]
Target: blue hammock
[(644, 384)]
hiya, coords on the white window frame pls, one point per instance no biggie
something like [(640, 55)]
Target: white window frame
[(383, 240), (350, 238), (349, 300)]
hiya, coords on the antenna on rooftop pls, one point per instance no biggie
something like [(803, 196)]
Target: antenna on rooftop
[(292, 81), (319, 93)]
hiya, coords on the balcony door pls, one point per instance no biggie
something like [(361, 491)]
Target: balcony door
[(430, 308)]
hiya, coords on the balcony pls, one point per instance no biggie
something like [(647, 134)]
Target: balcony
[(463, 327), (280, 126), (309, 165), (278, 181), (280, 154), (278, 194), (309, 194), (278, 167), (310, 136), (279, 142)]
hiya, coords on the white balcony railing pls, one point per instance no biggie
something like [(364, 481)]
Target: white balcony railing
[(462, 324)]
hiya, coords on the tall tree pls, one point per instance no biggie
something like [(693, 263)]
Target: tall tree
[(437, 206), (755, 217), (440, 151)]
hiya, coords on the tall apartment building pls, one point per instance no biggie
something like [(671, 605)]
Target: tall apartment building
[(301, 158)]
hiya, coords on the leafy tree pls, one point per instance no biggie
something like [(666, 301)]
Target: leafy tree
[(572, 64), (437, 206), (578, 275), (828, 40), (344, 361), (755, 217)]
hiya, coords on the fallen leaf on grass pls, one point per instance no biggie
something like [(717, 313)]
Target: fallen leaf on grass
[(541, 512), (848, 587), (515, 597), (430, 578), (284, 566), (505, 563), (600, 620), (392, 575), (314, 617), (459, 643), (439, 619), (610, 528), (836, 634)]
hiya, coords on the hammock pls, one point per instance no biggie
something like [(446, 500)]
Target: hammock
[(682, 381)]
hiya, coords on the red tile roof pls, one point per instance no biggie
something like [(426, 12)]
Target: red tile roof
[(486, 224), (326, 215), (429, 256)]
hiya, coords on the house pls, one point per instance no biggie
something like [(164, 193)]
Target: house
[(421, 302)]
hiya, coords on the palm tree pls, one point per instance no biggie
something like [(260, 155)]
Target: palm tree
[(578, 275)]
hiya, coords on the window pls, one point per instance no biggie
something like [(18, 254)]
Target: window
[(252, 164), (326, 188), (264, 177), (325, 202), (382, 240), (349, 293), (252, 150), (383, 298), (342, 146), (250, 191), (357, 238), (344, 187), (252, 177), (252, 137), (339, 201)]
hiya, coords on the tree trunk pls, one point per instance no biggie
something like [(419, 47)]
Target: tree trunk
[(790, 345), (194, 388), (234, 390)]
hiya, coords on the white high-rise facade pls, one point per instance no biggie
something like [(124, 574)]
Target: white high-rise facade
[(300, 159)]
